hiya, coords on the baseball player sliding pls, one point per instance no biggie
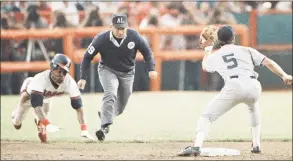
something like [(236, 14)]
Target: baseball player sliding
[(236, 66), (37, 92)]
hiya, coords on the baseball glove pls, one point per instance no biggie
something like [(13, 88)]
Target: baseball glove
[(208, 36)]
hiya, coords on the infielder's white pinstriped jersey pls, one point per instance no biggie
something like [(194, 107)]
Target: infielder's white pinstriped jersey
[(232, 60), (41, 83)]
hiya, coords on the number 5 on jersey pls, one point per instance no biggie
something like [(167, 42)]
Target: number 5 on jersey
[(91, 49), (229, 58)]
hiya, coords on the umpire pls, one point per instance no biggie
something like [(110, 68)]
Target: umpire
[(117, 47)]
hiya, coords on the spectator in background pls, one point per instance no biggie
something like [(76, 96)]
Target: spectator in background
[(10, 82), (92, 19), (171, 19), (273, 4), (151, 20), (284, 6), (10, 10), (69, 9), (141, 80), (79, 6), (22, 5), (61, 20), (252, 4), (129, 9), (13, 7), (6, 6), (106, 9), (205, 12), (222, 16), (194, 15), (71, 12), (193, 67), (229, 6), (56, 46), (192, 18), (45, 7), (243, 7), (33, 19), (142, 10), (6, 53)]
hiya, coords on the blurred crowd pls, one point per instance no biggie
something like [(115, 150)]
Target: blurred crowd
[(63, 14)]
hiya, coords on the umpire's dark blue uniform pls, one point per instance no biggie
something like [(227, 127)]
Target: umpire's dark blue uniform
[(117, 67)]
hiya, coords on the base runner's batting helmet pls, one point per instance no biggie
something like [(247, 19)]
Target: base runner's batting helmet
[(62, 61), (226, 35)]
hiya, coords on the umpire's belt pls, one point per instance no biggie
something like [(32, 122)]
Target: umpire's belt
[(236, 76)]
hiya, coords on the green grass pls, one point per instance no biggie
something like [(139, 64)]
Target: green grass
[(162, 116)]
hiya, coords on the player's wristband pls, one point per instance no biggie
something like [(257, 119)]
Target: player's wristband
[(46, 122), (83, 127)]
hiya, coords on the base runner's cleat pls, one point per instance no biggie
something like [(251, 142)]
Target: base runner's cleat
[(41, 131)]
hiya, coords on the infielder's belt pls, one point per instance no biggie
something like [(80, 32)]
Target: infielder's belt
[(236, 76)]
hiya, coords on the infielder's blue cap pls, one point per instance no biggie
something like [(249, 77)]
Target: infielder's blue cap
[(225, 34)]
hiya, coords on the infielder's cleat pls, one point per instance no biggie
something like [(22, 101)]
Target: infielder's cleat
[(17, 127), (256, 150), (41, 131), (189, 151), (101, 134)]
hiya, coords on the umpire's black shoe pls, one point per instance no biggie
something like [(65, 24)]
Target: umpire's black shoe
[(256, 150), (101, 134), (189, 151)]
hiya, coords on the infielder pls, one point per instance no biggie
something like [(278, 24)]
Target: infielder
[(37, 92), (236, 66), (118, 48)]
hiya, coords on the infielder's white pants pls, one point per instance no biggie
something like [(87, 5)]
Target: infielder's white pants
[(237, 90)]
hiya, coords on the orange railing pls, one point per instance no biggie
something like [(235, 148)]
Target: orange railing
[(76, 55)]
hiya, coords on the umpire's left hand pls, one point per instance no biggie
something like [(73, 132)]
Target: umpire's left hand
[(153, 74), (81, 83)]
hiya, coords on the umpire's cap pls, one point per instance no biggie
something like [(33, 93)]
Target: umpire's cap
[(62, 61), (119, 20), (226, 35)]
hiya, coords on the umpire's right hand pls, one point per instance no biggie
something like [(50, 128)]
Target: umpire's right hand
[(81, 83)]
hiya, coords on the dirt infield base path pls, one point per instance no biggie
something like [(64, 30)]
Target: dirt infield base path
[(133, 151)]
